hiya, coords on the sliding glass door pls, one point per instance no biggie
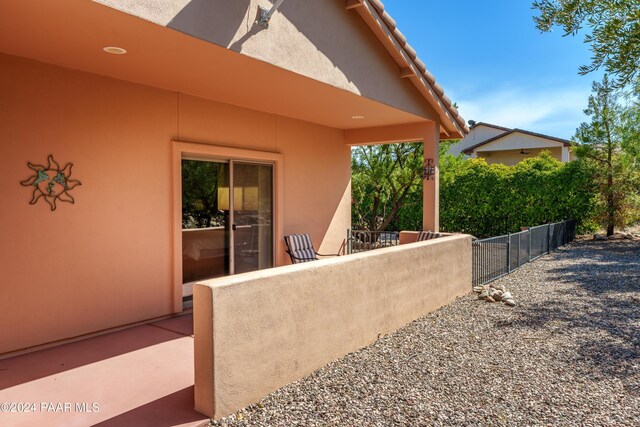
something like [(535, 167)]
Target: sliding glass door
[(227, 217), (252, 217)]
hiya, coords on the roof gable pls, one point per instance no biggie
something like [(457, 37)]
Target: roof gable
[(415, 69), (522, 138), (329, 41), (489, 125)]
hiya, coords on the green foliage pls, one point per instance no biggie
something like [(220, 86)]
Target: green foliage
[(613, 32), (200, 181), (475, 198), (610, 145), (385, 178), (490, 200)]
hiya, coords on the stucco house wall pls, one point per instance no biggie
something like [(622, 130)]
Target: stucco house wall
[(508, 149), (513, 157), (517, 141), (317, 40), (497, 144), (196, 71), (64, 272), (476, 135)]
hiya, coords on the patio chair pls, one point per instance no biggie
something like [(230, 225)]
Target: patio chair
[(427, 235), (300, 248)]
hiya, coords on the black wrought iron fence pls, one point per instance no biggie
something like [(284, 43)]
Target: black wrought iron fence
[(363, 240), (498, 256)]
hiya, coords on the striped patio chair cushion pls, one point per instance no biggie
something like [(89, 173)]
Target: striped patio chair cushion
[(428, 235), (300, 248)]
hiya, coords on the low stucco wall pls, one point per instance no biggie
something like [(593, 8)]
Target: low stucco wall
[(412, 236), (257, 332)]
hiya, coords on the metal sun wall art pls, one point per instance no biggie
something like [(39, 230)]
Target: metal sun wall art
[(51, 182)]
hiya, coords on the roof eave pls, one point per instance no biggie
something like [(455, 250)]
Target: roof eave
[(564, 142), (384, 27)]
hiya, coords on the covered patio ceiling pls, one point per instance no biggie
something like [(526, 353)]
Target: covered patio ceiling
[(73, 33)]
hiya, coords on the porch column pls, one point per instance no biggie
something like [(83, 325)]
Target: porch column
[(430, 190), (565, 155), (429, 134)]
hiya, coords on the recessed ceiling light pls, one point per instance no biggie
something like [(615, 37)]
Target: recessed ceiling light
[(114, 50), (357, 117)]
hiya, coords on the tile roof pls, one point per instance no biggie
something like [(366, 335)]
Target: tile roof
[(409, 55), (476, 124)]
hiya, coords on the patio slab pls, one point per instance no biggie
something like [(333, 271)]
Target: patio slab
[(180, 324), (138, 376)]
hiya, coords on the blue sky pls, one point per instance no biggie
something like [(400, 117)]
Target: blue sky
[(492, 61)]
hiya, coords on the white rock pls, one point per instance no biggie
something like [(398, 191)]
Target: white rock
[(510, 302), (496, 295), (507, 295)]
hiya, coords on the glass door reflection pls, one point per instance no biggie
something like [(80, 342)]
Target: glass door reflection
[(252, 216), (205, 221)]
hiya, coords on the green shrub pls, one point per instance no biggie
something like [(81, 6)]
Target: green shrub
[(490, 200), (475, 197)]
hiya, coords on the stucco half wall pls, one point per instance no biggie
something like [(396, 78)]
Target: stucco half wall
[(257, 332)]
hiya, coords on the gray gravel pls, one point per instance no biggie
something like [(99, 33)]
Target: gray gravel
[(568, 354)]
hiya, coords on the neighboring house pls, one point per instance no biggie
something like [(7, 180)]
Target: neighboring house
[(497, 144), (137, 96)]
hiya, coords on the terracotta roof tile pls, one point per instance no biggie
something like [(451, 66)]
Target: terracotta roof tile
[(391, 23), (430, 77), (378, 5), (410, 51), (439, 90), (401, 38)]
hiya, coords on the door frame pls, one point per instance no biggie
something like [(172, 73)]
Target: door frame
[(194, 150)]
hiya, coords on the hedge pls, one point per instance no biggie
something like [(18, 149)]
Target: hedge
[(490, 200)]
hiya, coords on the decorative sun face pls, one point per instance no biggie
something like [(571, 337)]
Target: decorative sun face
[(51, 182)]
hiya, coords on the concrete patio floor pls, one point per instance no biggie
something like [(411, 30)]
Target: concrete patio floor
[(140, 376)]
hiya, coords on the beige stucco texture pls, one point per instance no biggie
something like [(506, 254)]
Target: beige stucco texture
[(321, 40), (257, 332)]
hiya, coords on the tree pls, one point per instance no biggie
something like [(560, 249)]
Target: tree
[(200, 182), (614, 32), (384, 179), (608, 143)]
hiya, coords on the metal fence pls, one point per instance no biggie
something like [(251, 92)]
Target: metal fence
[(363, 240), (498, 256)]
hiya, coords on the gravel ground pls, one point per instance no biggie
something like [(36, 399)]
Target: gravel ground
[(568, 354)]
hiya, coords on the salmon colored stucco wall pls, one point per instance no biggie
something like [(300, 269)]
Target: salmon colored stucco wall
[(107, 260), (320, 39)]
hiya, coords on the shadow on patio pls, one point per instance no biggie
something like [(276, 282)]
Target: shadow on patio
[(137, 376)]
